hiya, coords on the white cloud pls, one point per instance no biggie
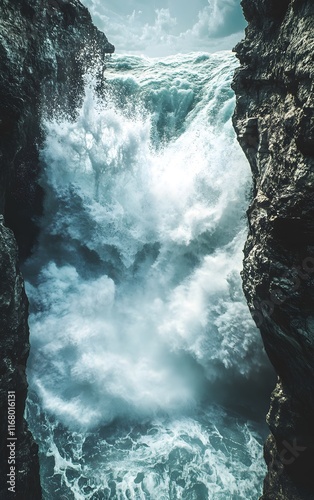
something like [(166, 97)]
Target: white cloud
[(212, 18), (169, 27), (163, 26)]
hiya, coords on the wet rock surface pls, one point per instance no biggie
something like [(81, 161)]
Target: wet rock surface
[(14, 335), (274, 121)]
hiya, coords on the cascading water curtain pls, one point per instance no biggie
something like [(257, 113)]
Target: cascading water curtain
[(138, 321)]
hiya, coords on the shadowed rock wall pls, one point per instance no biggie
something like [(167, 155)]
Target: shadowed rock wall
[(274, 121)]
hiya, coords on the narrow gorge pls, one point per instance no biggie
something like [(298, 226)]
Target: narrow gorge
[(113, 241)]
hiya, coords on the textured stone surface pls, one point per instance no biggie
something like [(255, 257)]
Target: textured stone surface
[(274, 121), (14, 352), (46, 46)]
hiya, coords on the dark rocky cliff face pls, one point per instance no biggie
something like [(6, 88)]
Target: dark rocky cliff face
[(46, 46), (14, 352), (274, 120)]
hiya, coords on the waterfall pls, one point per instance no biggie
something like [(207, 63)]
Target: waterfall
[(140, 332)]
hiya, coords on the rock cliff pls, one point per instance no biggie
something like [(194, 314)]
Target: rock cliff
[(46, 47), (274, 121)]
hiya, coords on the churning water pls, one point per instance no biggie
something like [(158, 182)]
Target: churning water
[(140, 333)]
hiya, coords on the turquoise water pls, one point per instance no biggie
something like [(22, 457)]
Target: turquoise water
[(142, 345)]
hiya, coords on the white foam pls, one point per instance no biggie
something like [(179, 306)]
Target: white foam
[(211, 455), (165, 222)]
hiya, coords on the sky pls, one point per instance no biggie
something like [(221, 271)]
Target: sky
[(164, 27)]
